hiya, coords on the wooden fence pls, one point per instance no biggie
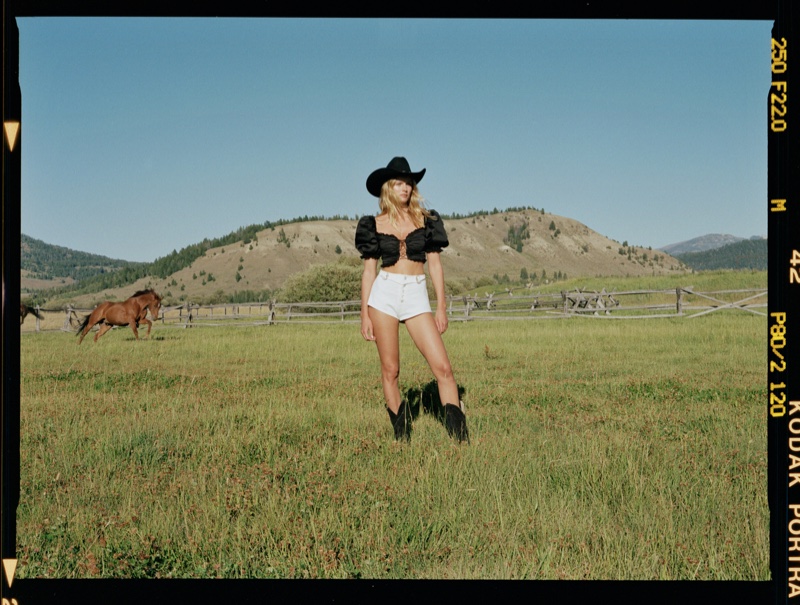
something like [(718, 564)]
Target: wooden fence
[(509, 305)]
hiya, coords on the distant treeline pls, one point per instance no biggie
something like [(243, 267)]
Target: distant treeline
[(47, 261), (745, 254), (457, 216)]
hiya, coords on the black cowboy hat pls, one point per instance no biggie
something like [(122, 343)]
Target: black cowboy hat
[(398, 166)]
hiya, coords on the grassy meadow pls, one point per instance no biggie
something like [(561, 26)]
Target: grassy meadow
[(599, 450)]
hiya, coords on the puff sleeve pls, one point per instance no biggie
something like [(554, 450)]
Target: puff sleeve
[(367, 238), (435, 235)]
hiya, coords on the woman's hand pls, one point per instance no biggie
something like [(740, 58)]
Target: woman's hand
[(367, 279), (437, 277), (440, 319), (366, 328)]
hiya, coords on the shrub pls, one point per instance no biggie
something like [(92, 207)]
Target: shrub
[(330, 282)]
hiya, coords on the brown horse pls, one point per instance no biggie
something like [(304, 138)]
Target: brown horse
[(131, 313), (24, 310)]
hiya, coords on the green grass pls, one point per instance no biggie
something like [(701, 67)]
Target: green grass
[(600, 450)]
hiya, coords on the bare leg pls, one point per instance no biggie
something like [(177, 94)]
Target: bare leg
[(426, 337), (386, 337)]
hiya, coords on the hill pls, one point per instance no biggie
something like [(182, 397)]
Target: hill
[(744, 254), (487, 246), (45, 266), (701, 244)]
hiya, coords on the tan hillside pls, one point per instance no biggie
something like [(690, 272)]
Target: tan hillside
[(32, 283), (477, 249)]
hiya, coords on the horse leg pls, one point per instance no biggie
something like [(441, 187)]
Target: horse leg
[(89, 325), (135, 331), (149, 325), (95, 317), (103, 329)]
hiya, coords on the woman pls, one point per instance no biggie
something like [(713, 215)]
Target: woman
[(404, 235)]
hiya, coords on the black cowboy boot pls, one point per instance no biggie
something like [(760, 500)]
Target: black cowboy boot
[(401, 422), (456, 422)]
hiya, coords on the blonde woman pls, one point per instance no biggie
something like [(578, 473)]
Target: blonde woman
[(404, 235)]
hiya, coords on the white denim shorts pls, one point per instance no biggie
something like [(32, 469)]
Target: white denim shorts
[(401, 296)]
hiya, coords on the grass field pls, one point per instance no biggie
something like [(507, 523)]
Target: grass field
[(599, 450)]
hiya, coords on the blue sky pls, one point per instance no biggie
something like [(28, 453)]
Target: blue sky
[(142, 136)]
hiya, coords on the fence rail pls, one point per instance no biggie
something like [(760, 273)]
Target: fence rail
[(633, 304)]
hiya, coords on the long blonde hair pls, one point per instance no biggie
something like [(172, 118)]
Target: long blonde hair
[(390, 204)]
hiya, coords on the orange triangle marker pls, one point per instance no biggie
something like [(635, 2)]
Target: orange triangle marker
[(11, 128), (10, 567)]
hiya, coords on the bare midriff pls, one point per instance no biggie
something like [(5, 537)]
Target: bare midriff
[(405, 266)]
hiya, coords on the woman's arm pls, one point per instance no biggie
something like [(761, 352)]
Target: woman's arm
[(437, 277), (367, 279)]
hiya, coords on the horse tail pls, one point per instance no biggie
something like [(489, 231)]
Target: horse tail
[(35, 312), (82, 325)]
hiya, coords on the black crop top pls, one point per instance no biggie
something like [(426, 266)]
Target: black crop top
[(431, 237)]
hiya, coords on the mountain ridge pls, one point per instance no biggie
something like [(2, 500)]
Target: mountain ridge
[(743, 254), (710, 241)]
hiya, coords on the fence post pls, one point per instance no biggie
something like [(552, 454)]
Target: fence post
[(679, 300), (69, 310), (188, 314)]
